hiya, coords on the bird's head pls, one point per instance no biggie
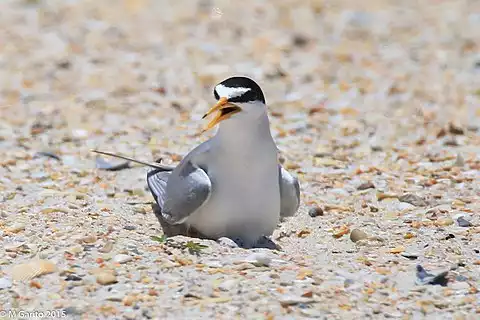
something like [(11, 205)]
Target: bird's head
[(237, 98)]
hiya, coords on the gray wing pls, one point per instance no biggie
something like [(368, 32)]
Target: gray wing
[(289, 193), (157, 183), (180, 192)]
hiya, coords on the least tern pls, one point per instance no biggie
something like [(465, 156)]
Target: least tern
[(231, 185)]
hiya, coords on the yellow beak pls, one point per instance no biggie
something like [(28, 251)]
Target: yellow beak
[(226, 110)]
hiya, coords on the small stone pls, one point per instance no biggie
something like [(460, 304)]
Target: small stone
[(455, 129), (409, 255), (73, 277), (130, 315), (228, 285), (459, 161), (402, 206), (130, 228), (259, 259), (139, 210), (5, 283), (366, 185), (313, 313), (413, 200), (105, 278), (75, 249), (213, 264), (227, 242), (128, 300), (74, 310), (300, 40), (460, 286), (398, 249), (16, 227), (315, 212), (442, 222), (89, 239), (462, 222), (138, 192), (357, 235), (117, 297), (107, 247), (147, 314), (294, 300), (122, 258), (14, 247), (384, 195), (79, 133)]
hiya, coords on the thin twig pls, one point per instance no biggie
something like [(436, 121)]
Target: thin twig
[(149, 164)]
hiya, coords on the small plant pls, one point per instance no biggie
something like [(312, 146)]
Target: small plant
[(161, 239), (194, 247)]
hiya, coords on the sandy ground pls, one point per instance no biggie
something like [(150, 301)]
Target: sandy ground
[(375, 106)]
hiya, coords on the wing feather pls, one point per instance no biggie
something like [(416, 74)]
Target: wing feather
[(289, 193), (181, 192)]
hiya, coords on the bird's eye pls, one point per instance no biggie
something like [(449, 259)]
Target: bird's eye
[(217, 97)]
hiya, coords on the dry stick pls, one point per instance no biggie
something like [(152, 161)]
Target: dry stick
[(150, 164)]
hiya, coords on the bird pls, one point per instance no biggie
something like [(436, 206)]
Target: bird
[(232, 185)]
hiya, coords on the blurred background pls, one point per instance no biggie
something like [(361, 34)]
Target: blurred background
[(138, 73)]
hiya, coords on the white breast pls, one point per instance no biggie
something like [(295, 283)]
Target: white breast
[(245, 202)]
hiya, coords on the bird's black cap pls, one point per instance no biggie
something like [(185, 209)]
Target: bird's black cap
[(248, 90)]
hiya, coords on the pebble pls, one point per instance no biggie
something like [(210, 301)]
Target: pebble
[(405, 206), (89, 239), (291, 300), (147, 314), (105, 278), (117, 297), (139, 210), (73, 277), (357, 235), (315, 212), (314, 313), (213, 264), (227, 242), (259, 259), (74, 310), (107, 247), (413, 199), (16, 227), (130, 315), (459, 161), (75, 249), (444, 222), (122, 258), (412, 255), (228, 285), (462, 222), (5, 283), (366, 185), (462, 285)]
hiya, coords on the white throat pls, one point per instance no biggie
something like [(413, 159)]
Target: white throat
[(245, 130)]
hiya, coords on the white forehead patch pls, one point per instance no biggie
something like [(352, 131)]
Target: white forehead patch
[(230, 92)]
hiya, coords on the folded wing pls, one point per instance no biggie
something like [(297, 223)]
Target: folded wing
[(289, 193), (181, 192)]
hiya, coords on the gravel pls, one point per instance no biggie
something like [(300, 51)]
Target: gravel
[(374, 106)]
